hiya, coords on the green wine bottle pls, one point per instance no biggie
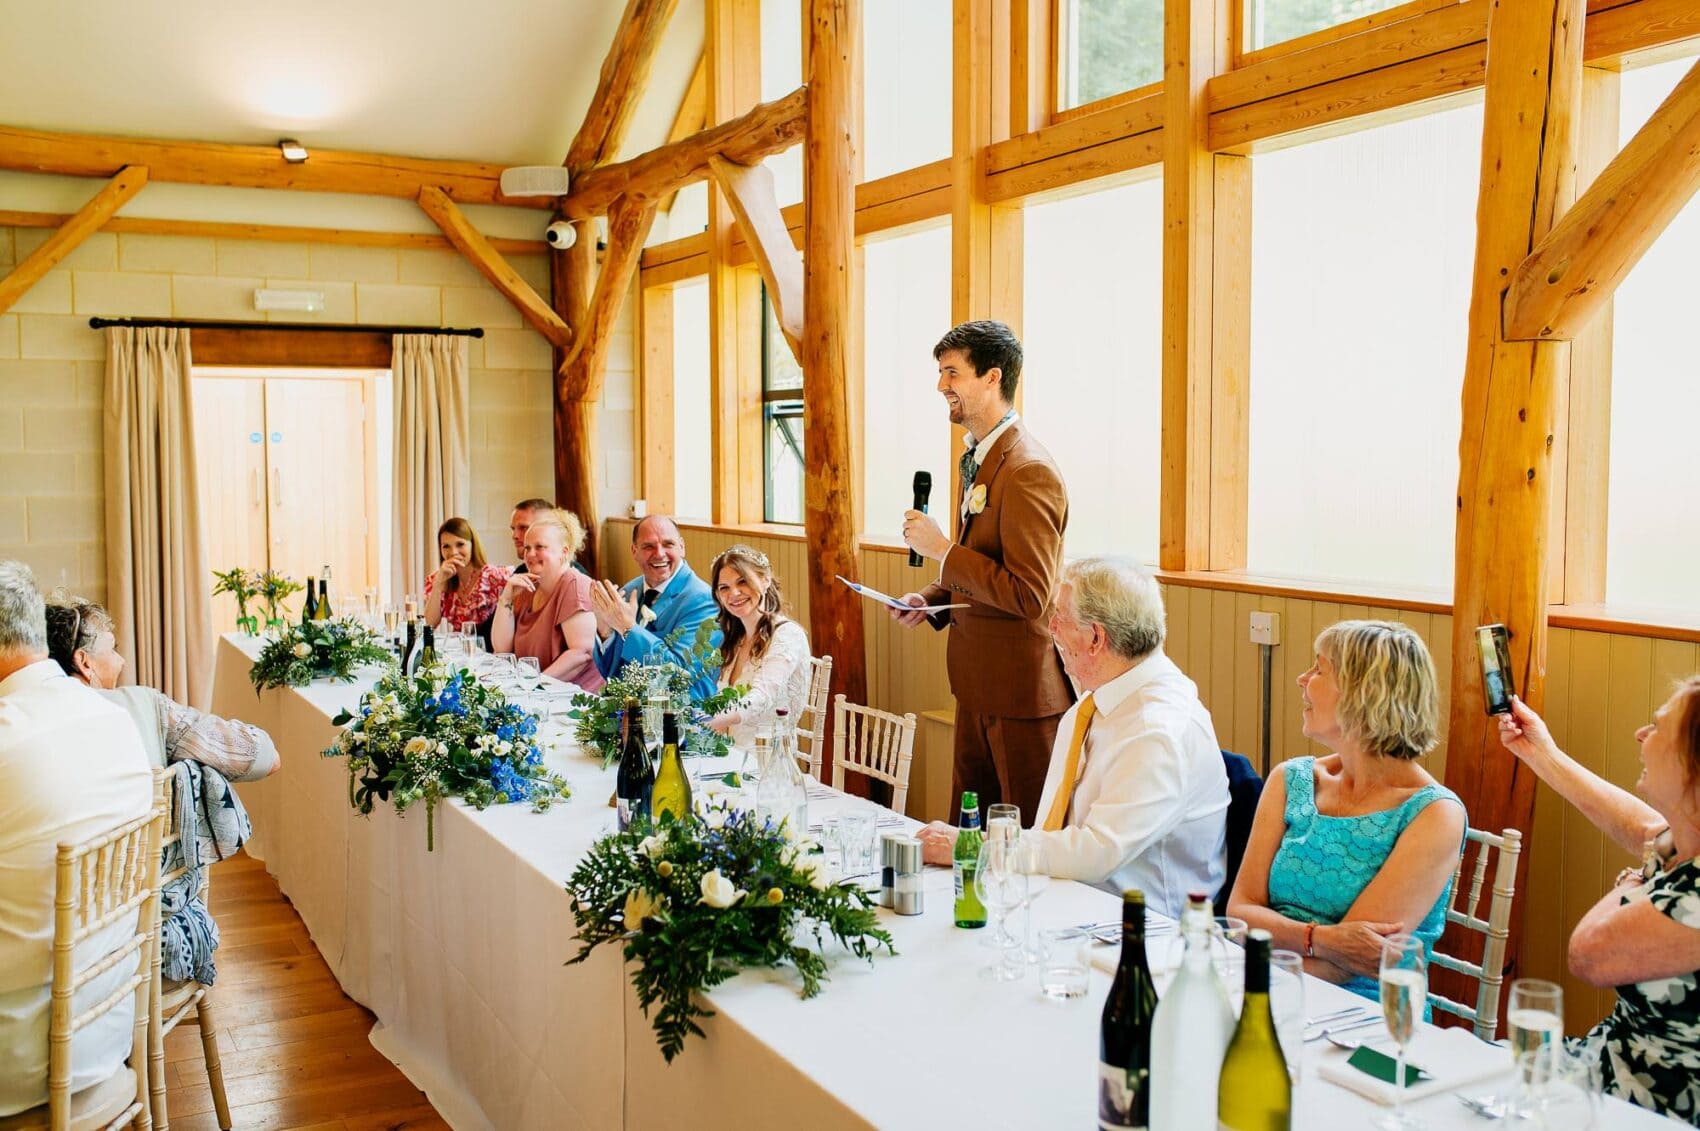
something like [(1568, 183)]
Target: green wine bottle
[(323, 612), (310, 607), (1124, 1034), (1255, 1093), (672, 793), (970, 912)]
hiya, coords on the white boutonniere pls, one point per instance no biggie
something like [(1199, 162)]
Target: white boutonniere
[(646, 616), (977, 499)]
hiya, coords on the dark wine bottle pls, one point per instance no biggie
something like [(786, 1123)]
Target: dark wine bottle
[(407, 648), (634, 786), (310, 607), (1124, 1036)]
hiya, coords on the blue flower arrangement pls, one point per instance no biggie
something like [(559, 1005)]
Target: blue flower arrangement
[(438, 734)]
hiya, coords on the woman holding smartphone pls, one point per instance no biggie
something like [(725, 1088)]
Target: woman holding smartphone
[(1643, 937)]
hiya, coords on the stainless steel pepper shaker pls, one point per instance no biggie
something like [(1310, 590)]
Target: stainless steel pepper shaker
[(906, 882)]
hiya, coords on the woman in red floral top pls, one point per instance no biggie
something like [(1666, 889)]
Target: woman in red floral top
[(465, 587)]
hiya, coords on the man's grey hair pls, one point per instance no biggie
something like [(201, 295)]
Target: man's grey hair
[(23, 611), (1123, 597)]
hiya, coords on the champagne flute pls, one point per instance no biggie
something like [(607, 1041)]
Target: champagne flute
[(1404, 993), (1287, 1001), (998, 883), (1002, 819), (1534, 1020), (1029, 861)]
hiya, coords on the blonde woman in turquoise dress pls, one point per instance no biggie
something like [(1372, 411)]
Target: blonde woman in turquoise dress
[(1359, 844), (1643, 937)]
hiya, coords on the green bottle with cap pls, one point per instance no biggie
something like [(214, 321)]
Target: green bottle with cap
[(970, 912)]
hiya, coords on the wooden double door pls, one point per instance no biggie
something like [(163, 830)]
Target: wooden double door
[(288, 478)]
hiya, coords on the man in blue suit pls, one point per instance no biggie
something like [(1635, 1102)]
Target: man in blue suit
[(634, 621)]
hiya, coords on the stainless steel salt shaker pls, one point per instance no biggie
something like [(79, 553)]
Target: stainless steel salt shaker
[(888, 868), (906, 883)]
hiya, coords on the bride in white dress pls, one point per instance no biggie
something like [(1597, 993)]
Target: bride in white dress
[(760, 647)]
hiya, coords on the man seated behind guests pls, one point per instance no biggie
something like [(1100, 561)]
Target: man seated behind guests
[(526, 512), (80, 640), (634, 622), (71, 767), (1136, 795)]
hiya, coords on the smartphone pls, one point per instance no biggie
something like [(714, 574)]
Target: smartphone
[(1494, 644)]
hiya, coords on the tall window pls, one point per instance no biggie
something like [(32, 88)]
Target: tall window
[(1653, 521), (782, 422), (1362, 252), (1105, 47), (1092, 376), (905, 311), (1276, 21), (906, 58), (693, 467), (781, 73)]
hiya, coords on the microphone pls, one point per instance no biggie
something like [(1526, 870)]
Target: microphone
[(923, 489)]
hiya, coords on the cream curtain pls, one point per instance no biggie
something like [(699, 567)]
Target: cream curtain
[(158, 588), (432, 450)]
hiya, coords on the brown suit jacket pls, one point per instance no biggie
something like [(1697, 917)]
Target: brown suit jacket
[(1006, 566)]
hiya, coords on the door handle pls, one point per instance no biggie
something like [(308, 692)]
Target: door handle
[(254, 481), (277, 488)]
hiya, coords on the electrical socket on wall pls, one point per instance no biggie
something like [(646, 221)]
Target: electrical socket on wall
[(1266, 628)]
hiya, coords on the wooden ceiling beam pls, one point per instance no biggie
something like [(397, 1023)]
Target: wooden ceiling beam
[(769, 128), (1576, 269), (254, 166), (625, 70), (66, 238), (755, 204), (472, 245), (270, 233)]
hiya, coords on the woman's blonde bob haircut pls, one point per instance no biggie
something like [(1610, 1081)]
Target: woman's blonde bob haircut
[(572, 530), (1389, 698)]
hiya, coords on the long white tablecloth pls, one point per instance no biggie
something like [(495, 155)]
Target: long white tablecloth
[(460, 953)]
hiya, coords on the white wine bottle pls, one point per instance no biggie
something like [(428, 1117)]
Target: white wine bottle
[(1191, 1030), (672, 793), (323, 612), (1124, 1034), (1255, 1093)]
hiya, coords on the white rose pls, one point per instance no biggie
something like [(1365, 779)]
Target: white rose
[(649, 846), (718, 891), (814, 867), (640, 905), (302, 650), (416, 745), (715, 818)]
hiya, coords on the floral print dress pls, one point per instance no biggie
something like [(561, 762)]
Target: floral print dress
[(1651, 1053), (460, 606)]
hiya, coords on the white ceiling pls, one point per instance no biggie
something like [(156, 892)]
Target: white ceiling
[(505, 81)]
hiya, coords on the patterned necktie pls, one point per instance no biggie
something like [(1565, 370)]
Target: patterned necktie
[(969, 470), (1071, 767)]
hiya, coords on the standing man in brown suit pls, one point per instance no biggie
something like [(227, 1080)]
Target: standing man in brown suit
[(1007, 678)]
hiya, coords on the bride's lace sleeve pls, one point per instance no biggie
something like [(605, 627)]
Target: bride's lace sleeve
[(770, 681)]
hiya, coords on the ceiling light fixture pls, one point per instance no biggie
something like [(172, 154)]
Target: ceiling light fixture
[(293, 151), (270, 299)]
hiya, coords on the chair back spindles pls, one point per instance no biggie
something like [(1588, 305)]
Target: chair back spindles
[(1489, 974), (811, 722), (874, 743)]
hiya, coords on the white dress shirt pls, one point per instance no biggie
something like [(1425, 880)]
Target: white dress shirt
[(71, 766), (1151, 806), (779, 679)]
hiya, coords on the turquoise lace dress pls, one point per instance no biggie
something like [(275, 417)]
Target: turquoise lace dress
[(1324, 862)]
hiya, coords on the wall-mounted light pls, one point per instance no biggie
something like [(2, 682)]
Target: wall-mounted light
[(293, 151), (271, 299)]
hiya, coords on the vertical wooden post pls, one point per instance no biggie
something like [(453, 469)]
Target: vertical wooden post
[(575, 476), (834, 30), (655, 398), (1206, 303), (1534, 81)]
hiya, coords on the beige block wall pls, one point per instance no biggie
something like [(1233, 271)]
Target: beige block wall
[(52, 371)]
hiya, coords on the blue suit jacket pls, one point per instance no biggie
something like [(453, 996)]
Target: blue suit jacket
[(686, 604)]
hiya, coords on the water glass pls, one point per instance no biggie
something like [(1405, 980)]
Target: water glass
[(1062, 962), (529, 672), (832, 839), (1287, 1001), (469, 628), (1227, 948), (502, 670), (857, 828), (1404, 993)]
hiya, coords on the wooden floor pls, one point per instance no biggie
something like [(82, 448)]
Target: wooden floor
[(294, 1047)]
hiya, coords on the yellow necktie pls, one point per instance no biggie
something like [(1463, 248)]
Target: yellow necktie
[(1071, 768)]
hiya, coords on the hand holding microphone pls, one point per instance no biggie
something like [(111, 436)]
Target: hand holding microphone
[(923, 491), (920, 533)]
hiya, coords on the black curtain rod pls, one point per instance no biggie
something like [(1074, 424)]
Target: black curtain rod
[(319, 327)]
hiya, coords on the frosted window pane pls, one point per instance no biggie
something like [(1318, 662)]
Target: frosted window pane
[(906, 59), (1107, 47), (693, 491), (1092, 373), (1653, 524), (905, 311), (1362, 251), (1276, 21), (781, 73)]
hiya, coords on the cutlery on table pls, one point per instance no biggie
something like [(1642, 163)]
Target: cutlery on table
[(1486, 1109), (1335, 1030)]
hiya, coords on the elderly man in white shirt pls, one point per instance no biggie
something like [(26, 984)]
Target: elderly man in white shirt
[(71, 766), (1136, 795)]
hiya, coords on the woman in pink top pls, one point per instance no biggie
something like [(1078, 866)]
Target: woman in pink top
[(545, 612)]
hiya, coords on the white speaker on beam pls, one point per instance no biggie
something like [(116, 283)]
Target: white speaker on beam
[(534, 180)]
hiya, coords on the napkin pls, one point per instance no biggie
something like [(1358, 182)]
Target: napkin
[(1453, 1058)]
